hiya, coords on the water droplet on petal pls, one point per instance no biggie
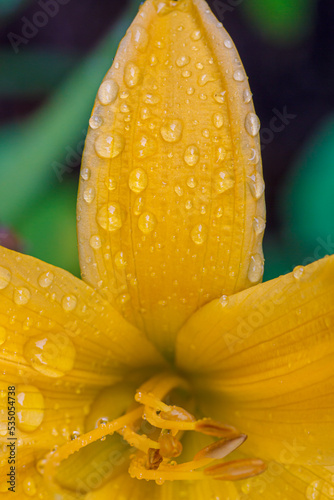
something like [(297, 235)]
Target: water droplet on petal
[(145, 113), (95, 122), (188, 205), (89, 195), (191, 155), (51, 354), (140, 38), (120, 260), (228, 44), (110, 217), (259, 225), (171, 131), (29, 487), (151, 98), (198, 234), (46, 279), (218, 120), (255, 157), (21, 296), (145, 146), (256, 185), (313, 491), (223, 182), (138, 180), (138, 205), (178, 190), (85, 174), (69, 302), (186, 73), (196, 35), (3, 335), (147, 222), (95, 242), (239, 75), (205, 78), (182, 61), (191, 182), (108, 92), (223, 300), (111, 183), (109, 145), (247, 96), (298, 272), (5, 277), (131, 74), (255, 270), (30, 408), (252, 124), (219, 96)]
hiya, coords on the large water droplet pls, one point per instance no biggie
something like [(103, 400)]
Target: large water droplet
[(219, 97), (30, 408), (120, 260), (5, 277), (21, 296), (298, 272), (46, 279), (252, 124), (29, 487), (131, 74), (147, 222), (256, 185), (140, 38), (171, 131), (198, 234), (228, 44), (95, 242), (109, 145), (138, 180), (259, 225), (223, 182), (218, 120), (196, 35), (255, 270), (108, 92), (182, 61), (69, 302), (191, 155), (247, 96), (52, 354), (205, 78), (239, 75), (145, 146), (95, 122), (85, 173), (89, 195), (3, 335), (313, 491), (110, 217)]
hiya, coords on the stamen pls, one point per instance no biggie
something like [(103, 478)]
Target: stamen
[(237, 469), (220, 449)]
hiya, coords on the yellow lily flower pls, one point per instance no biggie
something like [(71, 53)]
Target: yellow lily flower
[(170, 340)]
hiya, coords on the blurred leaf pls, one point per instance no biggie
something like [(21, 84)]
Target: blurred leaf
[(308, 201), (48, 228), (28, 152), (282, 21), (11, 7), (19, 79)]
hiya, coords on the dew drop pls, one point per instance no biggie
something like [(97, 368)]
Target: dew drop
[(228, 44), (259, 225), (138, 205), (191, 155), (95, 122), (298, 272), (120, 260), (46, 279), (124, 108), (29, 487), (145, 146), (186, 73), (178, 190), (30, 408), (198, 234), (110, 217), (313, 491), (151, 98), (69, 303), (223, 300), (85, 173), (191, 182), (219, 97), (190, 91), (219, 212), (138, 180), (247, 96), (111, 183), (196, 35), (204, 79), (21, 296), (109, 145), (255, 157), (220, 154), (199, 66), (252, 124), (188, 205), (140, 38), (223, 182), (256, 185), (171, 131), (3, 335), (95, 242), (5, 277), (239, 75), (89, 195), (146, 222), (218, 120), (131, 75), (108, 92), (145, 113), (255, 270), (182, 61), (52, 354)]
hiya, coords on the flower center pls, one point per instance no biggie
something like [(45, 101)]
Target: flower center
[(155, 451)]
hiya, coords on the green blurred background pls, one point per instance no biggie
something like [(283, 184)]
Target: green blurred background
[(53, 55)]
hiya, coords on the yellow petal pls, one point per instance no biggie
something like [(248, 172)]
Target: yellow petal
[(170, 206), (267, 355)]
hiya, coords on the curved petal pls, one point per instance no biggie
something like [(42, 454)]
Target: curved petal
[(171, 206), (267, 353)]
